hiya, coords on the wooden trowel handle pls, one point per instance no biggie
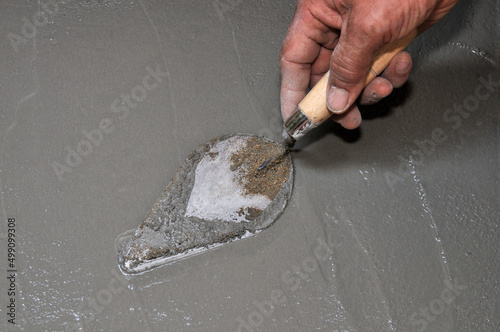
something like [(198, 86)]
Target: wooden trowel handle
[(314, 103)]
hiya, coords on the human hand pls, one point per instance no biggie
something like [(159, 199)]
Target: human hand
[(344, 36)]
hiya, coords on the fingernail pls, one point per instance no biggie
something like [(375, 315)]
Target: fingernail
[(337, 99), (402, 66)]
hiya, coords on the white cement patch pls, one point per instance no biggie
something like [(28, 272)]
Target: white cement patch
[(217, 193)]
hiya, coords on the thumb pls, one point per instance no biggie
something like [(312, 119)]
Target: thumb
[(350, 63)]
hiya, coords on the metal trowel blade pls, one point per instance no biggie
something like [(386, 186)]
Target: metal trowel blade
[(218, 196)]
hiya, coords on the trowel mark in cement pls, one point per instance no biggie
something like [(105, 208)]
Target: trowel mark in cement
[(217, 196)]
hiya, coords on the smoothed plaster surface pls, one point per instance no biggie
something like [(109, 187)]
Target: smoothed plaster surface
[(390, 227)]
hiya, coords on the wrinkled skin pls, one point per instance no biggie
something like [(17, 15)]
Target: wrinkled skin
[(343, 36)]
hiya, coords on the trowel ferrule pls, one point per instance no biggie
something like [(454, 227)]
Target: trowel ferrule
[(298, 124)]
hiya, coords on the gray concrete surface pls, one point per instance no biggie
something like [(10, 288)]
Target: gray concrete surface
[(391, 227)]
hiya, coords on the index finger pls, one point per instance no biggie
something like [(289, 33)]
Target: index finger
[(296, 58)]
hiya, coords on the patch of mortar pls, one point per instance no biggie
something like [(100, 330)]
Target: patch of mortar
[(168, 234)]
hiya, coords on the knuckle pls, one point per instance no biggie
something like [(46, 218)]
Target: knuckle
[(341, 73), (347, 69), (375, 28)]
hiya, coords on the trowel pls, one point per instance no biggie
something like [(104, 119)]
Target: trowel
[(229, 188), (217, 196)]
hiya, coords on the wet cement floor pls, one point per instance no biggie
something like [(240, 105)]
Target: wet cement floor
[(390, 227)]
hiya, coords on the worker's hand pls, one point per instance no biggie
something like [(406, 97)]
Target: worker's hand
[(344, 35)]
